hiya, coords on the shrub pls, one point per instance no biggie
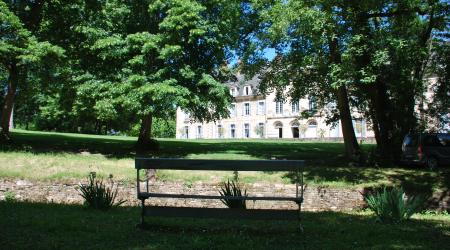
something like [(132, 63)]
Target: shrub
[(232, 188), (10, 196), (392, 205), (96, 195)]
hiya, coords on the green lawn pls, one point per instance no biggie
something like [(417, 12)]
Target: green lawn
[(61, 156), (51, 226)]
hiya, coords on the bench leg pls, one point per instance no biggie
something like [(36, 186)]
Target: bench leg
[(142, 223), (300, 226)]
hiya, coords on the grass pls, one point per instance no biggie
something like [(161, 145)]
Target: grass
[(52, 226), (62, 157), (48, 156)]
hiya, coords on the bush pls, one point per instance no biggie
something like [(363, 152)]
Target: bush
[(96, 195), (392, 205), (232, 188), (10, 196)]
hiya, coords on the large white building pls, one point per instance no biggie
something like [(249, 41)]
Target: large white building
[(257, 116)]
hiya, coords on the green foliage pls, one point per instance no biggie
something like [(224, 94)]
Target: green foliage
[(97, 195), (10, 196), (440, 104), (233, 189), (377, 50), (125, 60), (392, 205)]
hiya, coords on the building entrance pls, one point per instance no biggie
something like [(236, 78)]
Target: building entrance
[(295, 132)]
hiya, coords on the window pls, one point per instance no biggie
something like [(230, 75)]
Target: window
[(233, 91), (279, 108), (444, 139), (199, 132), (410, 141), (186, 132), (232, 110), (247, 108), (295, 106), (233, 131), (187, 117), (261, 108), (312, 103), (247, 90), (219, 131), (247, 130), (312, 124), (432, 141), (260, 129)]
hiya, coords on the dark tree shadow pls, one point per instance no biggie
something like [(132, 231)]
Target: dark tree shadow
[(43, 226)]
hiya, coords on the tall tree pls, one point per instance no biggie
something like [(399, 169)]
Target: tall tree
[(309, 39), (370, 55), (387, 56), (21, 55), (170, 57)]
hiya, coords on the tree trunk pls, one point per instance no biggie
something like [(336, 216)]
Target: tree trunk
[(383, 114), (351, 144), (146, 130), (375, 125), (145, 143), (5, 119)]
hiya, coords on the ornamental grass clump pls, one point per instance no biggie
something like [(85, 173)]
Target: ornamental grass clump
[(392, 204), (97, 195), (233, 189)]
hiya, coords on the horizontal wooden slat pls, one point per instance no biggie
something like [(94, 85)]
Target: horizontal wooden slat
[(193, 196), (222, 213), (225, 165)]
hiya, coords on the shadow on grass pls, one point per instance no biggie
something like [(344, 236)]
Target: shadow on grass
[(44, 226), (120, 147), (38, 142)]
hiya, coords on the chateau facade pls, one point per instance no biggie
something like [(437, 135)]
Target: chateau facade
[(256, 116)]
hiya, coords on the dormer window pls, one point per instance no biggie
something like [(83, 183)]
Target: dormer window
[(312, 103), (247, 90), (233, 91)]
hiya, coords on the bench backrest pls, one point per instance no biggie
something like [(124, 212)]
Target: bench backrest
[(220, 165)]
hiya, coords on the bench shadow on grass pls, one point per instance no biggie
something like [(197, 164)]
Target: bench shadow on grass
[(43, 226)]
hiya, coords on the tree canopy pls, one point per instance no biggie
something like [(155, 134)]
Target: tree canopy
[(96, 66), (365, 55)]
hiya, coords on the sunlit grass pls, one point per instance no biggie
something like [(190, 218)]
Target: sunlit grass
[(62, 166)]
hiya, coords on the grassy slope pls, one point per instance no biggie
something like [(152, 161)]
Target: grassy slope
[(60, 156), (51, 226)]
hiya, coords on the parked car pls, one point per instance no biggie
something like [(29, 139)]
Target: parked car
[(427, 149)]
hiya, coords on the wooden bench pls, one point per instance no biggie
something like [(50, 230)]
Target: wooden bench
[(219, 165)]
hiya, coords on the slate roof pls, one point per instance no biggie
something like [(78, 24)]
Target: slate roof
[(241, 81)]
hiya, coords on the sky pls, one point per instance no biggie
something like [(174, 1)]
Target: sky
[(269, 53)]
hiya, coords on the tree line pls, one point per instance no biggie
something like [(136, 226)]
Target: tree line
[(96, 65)]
